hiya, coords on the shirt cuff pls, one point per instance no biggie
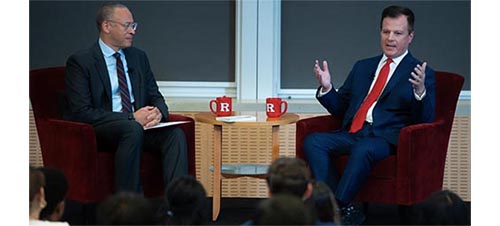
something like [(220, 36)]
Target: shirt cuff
[(419, 98), (321, 93)]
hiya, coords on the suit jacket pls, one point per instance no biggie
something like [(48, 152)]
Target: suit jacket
[(88, 88), (396, 107)]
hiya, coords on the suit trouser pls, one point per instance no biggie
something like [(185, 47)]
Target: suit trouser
[(364, 150), (128, 138)]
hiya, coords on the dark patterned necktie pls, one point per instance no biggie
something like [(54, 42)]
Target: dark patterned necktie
[(123, 85), (359, 118)]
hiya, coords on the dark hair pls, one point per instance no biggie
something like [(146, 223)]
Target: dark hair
[(442, 208), (37, 181), (324, 203), (186, 202), (105, 12), (283, 209), (56, 187), (126, 208), (395, 11), (288, 175)]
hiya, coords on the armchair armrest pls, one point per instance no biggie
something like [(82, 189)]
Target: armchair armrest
[(178, 117), (421, 157), (188, 129), (72, 148), (304, 127)]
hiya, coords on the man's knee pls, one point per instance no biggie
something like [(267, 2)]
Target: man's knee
[(114, 133), (177, 134), (363, 153), (176, 139), (312, 147), (310, 141), (134, 126), (373, 152), (133, 131)]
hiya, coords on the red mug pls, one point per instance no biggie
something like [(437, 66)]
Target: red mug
[(223, 106), (273, 107)]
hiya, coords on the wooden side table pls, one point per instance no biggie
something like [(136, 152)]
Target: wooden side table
[(244, 169)]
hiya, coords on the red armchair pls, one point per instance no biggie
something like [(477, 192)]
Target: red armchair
[(417, 169), (71, 146)]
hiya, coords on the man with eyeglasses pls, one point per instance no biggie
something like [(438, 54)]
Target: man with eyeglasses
[(111, 86)]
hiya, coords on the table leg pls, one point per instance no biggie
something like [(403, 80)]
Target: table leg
[(276, 142), (217, 172)]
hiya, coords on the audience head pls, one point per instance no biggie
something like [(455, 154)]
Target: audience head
[(126, 208), (324, 204), (37, 196), (289, 175), (442, 208), (56, 187), (283, 209), (186, 201)]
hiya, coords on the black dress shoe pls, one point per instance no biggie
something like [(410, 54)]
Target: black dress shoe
[(351, 216)]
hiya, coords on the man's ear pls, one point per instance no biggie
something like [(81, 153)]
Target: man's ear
[(308, 192), (105, 25), (41, 198), (412, 34)]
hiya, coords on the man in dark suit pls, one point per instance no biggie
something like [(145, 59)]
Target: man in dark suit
[(380, 96), (111, 86)]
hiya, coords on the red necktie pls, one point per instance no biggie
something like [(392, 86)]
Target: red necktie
[(359, 118), (123, 85)]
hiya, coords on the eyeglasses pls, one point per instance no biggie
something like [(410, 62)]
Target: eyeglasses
[(127, 25)]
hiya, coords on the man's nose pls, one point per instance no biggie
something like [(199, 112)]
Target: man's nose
[(391, 36)]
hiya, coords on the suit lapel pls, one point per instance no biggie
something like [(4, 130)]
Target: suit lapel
[(370, 74), (102, 70), (401, 72)]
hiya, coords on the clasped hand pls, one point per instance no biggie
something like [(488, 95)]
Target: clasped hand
[(148, 116)]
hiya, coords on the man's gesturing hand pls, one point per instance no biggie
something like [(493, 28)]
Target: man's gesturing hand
[(323, 75), (418, 79)]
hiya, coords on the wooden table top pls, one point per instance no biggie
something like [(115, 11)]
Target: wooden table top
[(261, 119)]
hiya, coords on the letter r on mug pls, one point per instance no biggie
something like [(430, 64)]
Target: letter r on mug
[(270, 107), (224, 107)]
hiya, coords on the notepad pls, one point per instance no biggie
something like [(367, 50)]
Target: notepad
[(237, 118), (163, 124)]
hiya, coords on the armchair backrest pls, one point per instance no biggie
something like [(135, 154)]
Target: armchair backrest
[(47, 92), (448, 87)]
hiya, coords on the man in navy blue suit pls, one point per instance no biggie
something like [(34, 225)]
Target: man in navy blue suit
[(380, 96), (111, 86)]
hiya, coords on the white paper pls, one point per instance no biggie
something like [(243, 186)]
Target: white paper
[(237, 118), (164, 124)]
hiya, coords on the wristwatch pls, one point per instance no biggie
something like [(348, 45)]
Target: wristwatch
[(131, 116)]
